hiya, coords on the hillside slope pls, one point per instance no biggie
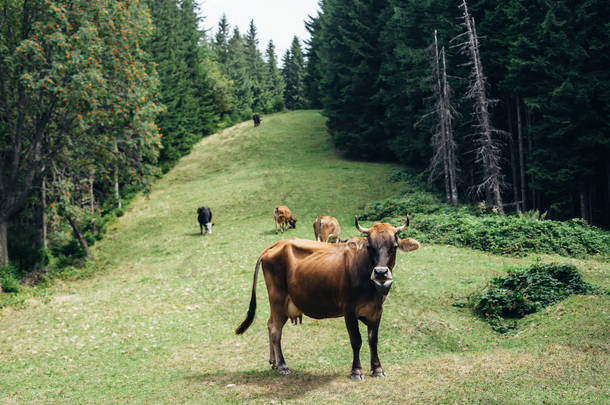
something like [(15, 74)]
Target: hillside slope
[(155, 324)]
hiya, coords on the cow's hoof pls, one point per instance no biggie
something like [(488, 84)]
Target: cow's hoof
[(357, 375), (378, 373), (283, 370)]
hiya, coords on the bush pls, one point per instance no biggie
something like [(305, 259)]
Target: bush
[(437, 222), (8, 279), (526, 291)]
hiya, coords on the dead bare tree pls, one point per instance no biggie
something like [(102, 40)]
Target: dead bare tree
[(444, 159), (521, 159), (488, 146)]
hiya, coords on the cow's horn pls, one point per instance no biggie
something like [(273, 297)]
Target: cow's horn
[(402, 228), (361, 229)]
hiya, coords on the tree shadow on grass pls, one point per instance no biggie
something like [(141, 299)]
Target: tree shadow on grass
[(266, 384)]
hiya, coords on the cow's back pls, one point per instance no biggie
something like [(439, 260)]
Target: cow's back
[(281, 211), (324, 226)]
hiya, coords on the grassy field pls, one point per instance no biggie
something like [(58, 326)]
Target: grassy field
[(155, 323)]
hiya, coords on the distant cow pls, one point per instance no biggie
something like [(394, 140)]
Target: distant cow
[(327, 229), (283, 218), (204, 216), (257, 120), (323, 280)]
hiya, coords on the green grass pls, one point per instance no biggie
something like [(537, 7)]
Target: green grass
[(155, 322)]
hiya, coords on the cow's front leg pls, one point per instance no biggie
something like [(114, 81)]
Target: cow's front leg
[(200, 228), (376, 369), (351, 322)]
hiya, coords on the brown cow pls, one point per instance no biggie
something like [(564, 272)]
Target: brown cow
[(326, 229), (323, 280), (283, 218)]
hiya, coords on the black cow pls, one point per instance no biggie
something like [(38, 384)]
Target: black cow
[(204, 216), (257, 120)]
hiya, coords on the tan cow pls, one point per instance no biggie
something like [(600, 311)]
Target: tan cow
[(283, 218), (326, 229), (324, 280)]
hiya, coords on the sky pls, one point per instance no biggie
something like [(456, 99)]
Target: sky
[(278, 20)]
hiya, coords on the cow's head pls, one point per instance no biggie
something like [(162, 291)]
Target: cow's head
[(381, 242), (292, 222), (208, 227)]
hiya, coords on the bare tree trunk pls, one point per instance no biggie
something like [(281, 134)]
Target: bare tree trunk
[(590, 201), (521, 158), (583, 202), (451, 146), (79, 235), (530, 147), (513, 160), (439, 157), (117, 195), (3, 241), (443, 145), (44, 213), (608, 178), (91, 195)]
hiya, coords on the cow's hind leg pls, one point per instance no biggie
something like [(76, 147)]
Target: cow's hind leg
[(271, 351), (276, 323), (351, 322)]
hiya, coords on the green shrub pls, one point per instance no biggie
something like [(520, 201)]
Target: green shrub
[(8, 279), (526, 291), (436, 222)]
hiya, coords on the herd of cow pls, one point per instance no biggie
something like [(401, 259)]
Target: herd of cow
[(347, 278)]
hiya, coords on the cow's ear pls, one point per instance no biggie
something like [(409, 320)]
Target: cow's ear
[(407, 245)]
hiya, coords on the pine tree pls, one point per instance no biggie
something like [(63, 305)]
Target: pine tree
[(313, 76), (275, 79), (293, 73), (237, 72), (188, 96), (221, 41), (350, 65), (255, 68)]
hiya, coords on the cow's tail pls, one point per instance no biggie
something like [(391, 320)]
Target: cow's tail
[(252, 309)]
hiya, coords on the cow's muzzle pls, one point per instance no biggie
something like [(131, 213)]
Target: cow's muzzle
[(382, 278)]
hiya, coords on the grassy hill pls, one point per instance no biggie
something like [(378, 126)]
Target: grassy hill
[(155, 323)]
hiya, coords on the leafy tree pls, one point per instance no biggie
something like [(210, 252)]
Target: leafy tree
[(67, 71)]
